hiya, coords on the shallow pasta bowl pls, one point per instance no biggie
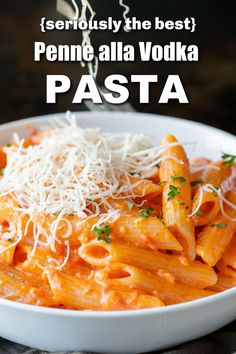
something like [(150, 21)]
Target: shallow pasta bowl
[(135, 331)]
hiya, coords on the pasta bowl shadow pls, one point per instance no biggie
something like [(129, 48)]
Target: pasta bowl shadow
[(132, 331)]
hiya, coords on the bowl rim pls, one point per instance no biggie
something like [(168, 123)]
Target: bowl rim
[(122, 115), (222, 296)]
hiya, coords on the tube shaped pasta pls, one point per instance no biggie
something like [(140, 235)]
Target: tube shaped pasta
[(227, 264), (147, 301), (195, 273), (143, 232), (76, 293), (16, 286), (7, 250), (223, 283), (118, 274), (148, 233), (215, 237), (217, 174), (42, 258), (209, 206), (176, 178), (143, 187)]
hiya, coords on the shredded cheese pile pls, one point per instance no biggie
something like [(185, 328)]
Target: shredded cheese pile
[(74, 170)]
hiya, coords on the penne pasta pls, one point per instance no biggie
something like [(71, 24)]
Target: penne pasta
[(144, 187), (176, 197), (7, 250), (147, 233), (207, 203), (215, 237), (118, 275), (143, 232), (194, 273), (227, 264), (223, 283), (16, 286), (76, 293)]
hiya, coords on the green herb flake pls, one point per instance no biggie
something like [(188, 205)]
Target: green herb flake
[(71, 214), (198, 212), (8, 145), (173, 192), (130, 205), (228, 159), (146, 212), (2, 171), (178, 178), (183, 203), (220, 225), (103, 234), (9, 240), (195, 200), (196, 182)]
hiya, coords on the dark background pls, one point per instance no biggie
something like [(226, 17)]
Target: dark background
[(210, 83)]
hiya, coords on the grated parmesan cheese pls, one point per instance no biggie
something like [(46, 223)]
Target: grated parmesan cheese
[(75, 171)]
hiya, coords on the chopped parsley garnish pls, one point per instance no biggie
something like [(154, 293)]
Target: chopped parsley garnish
[(8, 145), (71, 214), (183, 203), (173, 192), (214, 192), (9, 240), (130, 205), (146, 212), (178, 178), (198, 212), (195, 200), (228, 159), (103, 233), (196, 182), (220, 225)]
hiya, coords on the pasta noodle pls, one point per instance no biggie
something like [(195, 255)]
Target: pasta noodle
[(207, 205), (177, 196), (215, 237), (105, 222)]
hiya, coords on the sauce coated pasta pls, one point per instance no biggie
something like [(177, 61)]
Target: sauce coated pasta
[(98, 221)]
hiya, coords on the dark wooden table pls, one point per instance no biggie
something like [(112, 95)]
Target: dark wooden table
[(210, 84)]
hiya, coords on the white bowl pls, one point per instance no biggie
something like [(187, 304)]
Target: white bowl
[(136, 331)]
